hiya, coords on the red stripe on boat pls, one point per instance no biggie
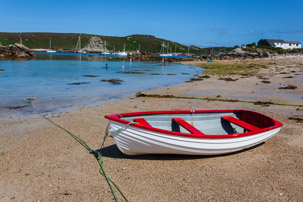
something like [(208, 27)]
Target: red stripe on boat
[(240, 123), (142, 122), (187, 126)]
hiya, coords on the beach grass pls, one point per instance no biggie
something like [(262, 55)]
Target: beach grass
[(231, 68)]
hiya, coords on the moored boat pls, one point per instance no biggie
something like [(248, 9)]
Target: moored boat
[(190, 132), (122, 53), (50, 47)]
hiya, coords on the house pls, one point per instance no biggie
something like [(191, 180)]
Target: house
[(278, 43)]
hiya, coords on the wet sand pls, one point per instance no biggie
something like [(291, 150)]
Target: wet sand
[(41, 162)]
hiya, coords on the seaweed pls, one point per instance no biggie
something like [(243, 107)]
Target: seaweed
[(144, 94), (91, 75), (228, 79), (78, 83), (292, 87), (113, 81)]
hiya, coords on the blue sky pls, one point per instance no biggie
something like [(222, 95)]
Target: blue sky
[(191, 22)]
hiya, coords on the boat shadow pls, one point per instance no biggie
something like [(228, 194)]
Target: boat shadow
[(112, 151)]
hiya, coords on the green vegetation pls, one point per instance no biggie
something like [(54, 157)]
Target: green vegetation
[(252, 47), (147, 43), (233, 68)]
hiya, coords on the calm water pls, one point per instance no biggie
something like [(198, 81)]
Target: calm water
[(51, 79)]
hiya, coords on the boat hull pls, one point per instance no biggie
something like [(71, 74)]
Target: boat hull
[(194, 132), (136, 141)]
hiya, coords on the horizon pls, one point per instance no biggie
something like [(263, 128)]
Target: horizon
[(199, 23)]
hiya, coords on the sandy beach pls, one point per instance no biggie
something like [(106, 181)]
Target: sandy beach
[(40, 162)]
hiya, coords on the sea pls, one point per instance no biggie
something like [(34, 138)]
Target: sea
[(58, 82)]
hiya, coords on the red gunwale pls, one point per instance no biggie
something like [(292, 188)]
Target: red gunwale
[(117, 118)]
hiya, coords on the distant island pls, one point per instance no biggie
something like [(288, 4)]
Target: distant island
[(68, 42), (21, 45)]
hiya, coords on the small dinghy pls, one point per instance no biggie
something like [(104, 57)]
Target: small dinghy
[(195, 132)]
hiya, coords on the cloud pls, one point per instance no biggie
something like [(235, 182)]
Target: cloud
[(219, 31), (278, 31)]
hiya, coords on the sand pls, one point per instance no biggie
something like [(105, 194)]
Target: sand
[(40, 162)]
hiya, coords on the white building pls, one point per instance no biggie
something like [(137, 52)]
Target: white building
[(278, 43)]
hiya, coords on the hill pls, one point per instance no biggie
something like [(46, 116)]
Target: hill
[(147, 43)]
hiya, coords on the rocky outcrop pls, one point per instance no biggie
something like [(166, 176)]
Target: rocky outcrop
[(95, 45), (16, 51)]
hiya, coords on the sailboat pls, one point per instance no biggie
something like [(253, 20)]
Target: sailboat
[(78, 46), (106, 52), (163, 50), (123, 53), (50, 47)]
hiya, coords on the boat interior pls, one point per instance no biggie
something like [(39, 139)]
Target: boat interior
[(204, 123)]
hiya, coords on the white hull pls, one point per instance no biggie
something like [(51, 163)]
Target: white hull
[(134, 141), (51, 51), (166, 55), (122, 53)]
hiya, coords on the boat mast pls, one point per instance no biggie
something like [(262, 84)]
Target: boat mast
[(175, 48), (80, 42), (50, 43), (167, 47)]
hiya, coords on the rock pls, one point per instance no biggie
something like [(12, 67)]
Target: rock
[(78, 83), (32, 98), (95, 45), (91, 75), (228, 79), (141, 94), (289, 87), (297, 118), (16, 51), (113, 81), (1, 70), (266, 54)]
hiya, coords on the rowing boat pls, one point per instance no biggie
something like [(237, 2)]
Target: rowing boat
[(190, 132)]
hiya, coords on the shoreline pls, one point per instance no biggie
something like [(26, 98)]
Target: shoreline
[(41, 162), (70, 94)]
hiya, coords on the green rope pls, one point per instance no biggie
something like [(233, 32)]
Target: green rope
[(100, 158)]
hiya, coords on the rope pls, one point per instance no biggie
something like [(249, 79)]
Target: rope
[(83, 143)]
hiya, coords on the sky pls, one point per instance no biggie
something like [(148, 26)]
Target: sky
[(189, 22)]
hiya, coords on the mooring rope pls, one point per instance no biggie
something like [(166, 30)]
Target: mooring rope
[(83, 143)]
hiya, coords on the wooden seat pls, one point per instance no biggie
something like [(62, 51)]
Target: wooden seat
[(142, 122), (240, 123), (187, 126)]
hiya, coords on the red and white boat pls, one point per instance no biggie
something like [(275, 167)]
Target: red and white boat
[(190, 132)]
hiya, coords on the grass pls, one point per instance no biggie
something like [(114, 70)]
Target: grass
[(225, 69)]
